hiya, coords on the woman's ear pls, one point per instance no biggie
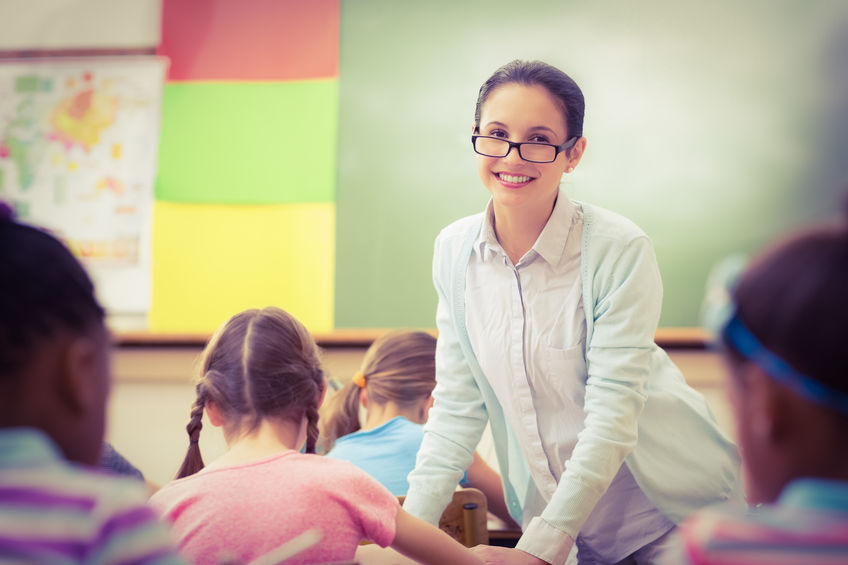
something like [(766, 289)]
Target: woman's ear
[(575, 154), (363, 398)]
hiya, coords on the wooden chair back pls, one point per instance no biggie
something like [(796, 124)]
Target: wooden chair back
[(465, 517)]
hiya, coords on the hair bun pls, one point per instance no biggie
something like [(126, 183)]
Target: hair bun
[(7, 213)]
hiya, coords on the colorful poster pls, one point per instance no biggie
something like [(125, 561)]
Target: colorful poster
[(78, 148)]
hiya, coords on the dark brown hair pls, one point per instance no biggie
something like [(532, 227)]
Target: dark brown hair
[(529, 73), (794, 300), (399, 367), (260, 364), (43, 289)]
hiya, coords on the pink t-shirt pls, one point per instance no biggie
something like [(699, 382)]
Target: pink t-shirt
[(242, 512)]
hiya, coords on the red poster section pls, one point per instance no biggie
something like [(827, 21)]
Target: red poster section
[(250, 40)]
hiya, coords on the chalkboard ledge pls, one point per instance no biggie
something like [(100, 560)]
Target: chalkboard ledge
[(667, 338)]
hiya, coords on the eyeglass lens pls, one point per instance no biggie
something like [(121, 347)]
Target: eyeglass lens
[(493, 147)]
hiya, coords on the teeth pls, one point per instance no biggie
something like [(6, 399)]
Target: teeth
[(513, 179)]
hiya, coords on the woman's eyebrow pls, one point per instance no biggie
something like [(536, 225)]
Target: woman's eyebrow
[(534, 128), (543, 128)]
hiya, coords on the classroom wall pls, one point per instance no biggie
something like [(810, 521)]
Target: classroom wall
[(244, 211), (153, 392), (715, 126), (79, 24), (311, 151)]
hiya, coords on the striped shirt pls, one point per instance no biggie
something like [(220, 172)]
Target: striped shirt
[(807, 526), (56, 512)]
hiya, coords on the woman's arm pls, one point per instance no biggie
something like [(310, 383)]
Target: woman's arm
[(428, 544), (458, 416), (626, 300), (483, 477)]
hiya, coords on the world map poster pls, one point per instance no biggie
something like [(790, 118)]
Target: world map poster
[(78, 149)]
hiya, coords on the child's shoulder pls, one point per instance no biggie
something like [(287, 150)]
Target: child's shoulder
[(85, 509), (321, 465), (331, 471), (39, 469), (107, 492), (728, 532)]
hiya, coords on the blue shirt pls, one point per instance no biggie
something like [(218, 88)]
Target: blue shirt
[(113, 461), (386, 452)]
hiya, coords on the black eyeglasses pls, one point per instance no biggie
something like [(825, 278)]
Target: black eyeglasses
[(527, 150)]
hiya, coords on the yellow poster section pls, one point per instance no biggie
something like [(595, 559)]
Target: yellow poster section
[(212, 261)]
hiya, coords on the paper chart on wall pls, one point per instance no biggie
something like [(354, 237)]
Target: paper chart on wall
[(78, 148)]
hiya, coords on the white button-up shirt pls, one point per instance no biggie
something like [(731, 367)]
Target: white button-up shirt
[(528, 330)]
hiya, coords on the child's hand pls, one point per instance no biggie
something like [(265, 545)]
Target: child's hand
[(505, 556)]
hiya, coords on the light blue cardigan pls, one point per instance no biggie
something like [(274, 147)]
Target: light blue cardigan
[(639, 409)]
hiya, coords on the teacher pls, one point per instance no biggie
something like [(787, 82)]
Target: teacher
[(546, 316)]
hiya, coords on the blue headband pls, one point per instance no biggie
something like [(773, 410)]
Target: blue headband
[(740, 337)]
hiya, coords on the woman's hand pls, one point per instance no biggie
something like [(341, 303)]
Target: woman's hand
[(505, 556)]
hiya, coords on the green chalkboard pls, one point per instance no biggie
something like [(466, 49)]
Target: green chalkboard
[(714, 126)]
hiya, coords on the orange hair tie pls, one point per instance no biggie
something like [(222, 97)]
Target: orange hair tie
[(359, 379)]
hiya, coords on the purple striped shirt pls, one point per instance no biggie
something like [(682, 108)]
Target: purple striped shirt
[(808, 525), (53, 511)]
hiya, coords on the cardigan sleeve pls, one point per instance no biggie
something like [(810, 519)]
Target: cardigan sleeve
[(626, 299), (458, 416)]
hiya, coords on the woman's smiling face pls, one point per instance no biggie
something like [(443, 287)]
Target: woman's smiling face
[(522, 113)]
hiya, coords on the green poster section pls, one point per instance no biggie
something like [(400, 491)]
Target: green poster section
[(713, 126), (248, 142)]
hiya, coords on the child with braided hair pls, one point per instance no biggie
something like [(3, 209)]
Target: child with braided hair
[(261, 381), (394, 385)]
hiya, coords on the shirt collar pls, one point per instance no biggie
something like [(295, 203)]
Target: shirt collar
[(816, 493), (26, 447), (487, 243), (551, 242)]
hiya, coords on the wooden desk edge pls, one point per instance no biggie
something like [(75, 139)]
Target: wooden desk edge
[(667, 338)]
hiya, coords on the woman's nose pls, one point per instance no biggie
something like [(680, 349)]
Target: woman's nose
[(513, 155)]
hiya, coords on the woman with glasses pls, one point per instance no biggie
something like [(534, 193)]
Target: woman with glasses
[(546, 318)]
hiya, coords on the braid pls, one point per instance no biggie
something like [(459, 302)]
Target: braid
[(195, 423), (260, 364), (193, 461), (340, 416), (311, 427)]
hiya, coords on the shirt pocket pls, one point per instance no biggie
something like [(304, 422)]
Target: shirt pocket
[(566, 372)]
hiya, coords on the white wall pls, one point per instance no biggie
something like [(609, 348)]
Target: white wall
[(152, 396), (79, 24)]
